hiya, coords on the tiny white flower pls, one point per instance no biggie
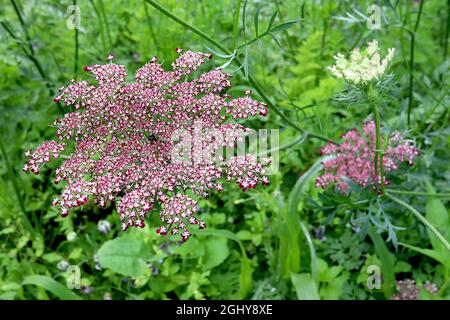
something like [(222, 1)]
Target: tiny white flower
[(362, 66), (62, 265), (71, 236), (103, 226)]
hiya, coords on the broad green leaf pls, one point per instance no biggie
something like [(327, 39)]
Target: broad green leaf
[(216, 251), (125, 255), (332, 290), (402, 266), (51, 285), (245, 277), (8, 295), (437, 214), (52, 257), (221, 233), (322, 267), (76, 253), (305, 286), (191, 249), (387, 262), (244, 235)]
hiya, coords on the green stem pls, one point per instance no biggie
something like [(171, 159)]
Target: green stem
[(30, 53), (285, 33), (100, 25), (177, 19), (236, 23), (447, 30), (322, 44), (422, 219), (252, 81), (75, 66), (419, 193), (299, 139), (23, 25), (105, 20), (378, 159), (261, 35), (411, 61), (411, 83), (12, 177), (150, 27)]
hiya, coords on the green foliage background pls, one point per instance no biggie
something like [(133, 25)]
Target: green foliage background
[(289, 240)]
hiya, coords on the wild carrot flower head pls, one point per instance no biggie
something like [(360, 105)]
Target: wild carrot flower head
[(362, 66), (354, 158), (123, 139)]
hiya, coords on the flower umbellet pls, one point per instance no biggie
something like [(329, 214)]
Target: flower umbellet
[(119, 141), (353, 158), (362, 66)]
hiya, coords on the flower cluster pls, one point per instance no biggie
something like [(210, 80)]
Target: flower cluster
[(362, 66), (42, 155), (408, 290), (247, 171), (353, 158), (120, 141), (177, 213)]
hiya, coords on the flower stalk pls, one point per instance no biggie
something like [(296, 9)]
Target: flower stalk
[(378, 159), (422, 219), (411, 60)]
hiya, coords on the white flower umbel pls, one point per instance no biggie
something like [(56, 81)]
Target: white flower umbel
[(362, 66)]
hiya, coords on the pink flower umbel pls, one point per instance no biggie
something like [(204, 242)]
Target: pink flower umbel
[(123, 141), (353, 158)]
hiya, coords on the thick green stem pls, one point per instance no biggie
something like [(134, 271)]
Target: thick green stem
[(252, 81), (378, 159), (422, 219), (411, 61)]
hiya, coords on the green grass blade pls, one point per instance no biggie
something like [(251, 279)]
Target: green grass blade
[(51, 285), (305, 286), (387, 262)]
